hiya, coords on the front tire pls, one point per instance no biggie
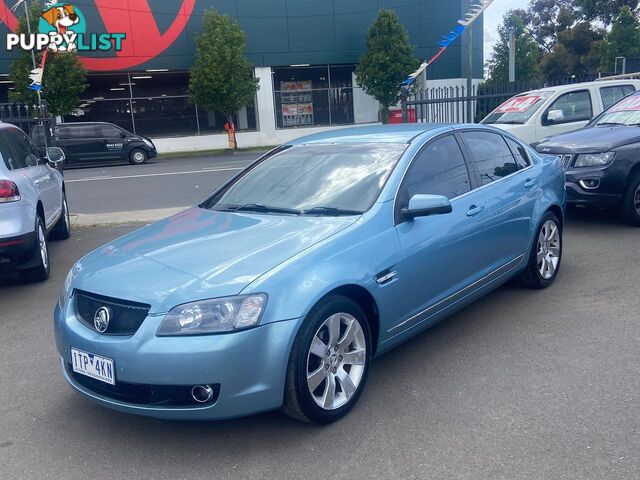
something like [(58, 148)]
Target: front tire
[(62, 230), (630, 207), (329, 362), (138, 156), (40, 271), (546, 254)]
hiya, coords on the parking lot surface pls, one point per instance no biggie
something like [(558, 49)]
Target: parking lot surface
[(520, 385)]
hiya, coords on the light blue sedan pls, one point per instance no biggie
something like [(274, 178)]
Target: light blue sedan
[(279, 289)]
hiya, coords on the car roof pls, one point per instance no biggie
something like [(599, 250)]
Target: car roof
[(66, 124), (402, 133), (578, 86)]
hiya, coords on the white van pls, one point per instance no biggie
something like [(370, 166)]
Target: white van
[(534, 115)]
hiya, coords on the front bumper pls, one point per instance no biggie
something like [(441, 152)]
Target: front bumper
[(249, 366), (607, 185)]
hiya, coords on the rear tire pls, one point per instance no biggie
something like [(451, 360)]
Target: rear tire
[(546, 254), (62, 230), (138, 156), (630, 207), (40, 271), (329, 362)]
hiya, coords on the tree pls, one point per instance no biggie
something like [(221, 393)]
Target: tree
[(387, 61), (221, 79), (544, 19), (64, 78), (527, 51), (605, 11), (622, 41)]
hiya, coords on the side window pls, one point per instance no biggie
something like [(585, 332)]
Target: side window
[(24, 149), (490, 155), (612, 94), (439, 169), (519, 152), (109, 131), (569, 107), (80, 131), (63, 132), (11, 159)]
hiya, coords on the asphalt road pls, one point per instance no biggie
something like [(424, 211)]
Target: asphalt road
[(161, 183), (521, 385)]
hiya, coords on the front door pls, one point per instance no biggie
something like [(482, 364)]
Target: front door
[(442, 254)]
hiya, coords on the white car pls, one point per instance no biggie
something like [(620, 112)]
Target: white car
[(33, 205), (537, 114)]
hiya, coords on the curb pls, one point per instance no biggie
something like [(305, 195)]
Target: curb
[(80, 220)]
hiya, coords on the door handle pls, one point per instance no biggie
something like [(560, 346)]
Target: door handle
[(474, 210), (530, 182)]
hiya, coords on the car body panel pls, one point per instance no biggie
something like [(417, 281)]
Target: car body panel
[(414, 272)]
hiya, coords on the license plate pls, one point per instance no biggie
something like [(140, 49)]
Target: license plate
[(94, 366)]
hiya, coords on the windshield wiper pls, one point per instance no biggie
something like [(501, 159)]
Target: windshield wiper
[(258, 207), (609, 124), (332, 211)]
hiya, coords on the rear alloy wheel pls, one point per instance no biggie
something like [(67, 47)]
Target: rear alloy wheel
[(546, 254), (631, 203), (40, 271), (138, 156), (62, 230), (329, 363)]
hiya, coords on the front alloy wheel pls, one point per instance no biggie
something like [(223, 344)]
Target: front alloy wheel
[(329, 362)]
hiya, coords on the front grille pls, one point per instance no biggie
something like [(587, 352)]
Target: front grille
[(142, 394), (125, 317), (566, 161)]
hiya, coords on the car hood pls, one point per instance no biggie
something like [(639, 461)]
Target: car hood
[(590, 140), (198, 254)]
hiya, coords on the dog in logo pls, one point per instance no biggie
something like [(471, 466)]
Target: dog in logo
[(61, 18)]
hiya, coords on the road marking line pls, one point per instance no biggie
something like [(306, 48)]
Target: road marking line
[(92, 179)]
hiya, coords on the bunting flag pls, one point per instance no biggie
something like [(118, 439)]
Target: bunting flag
[(36, 74), (475, 10)]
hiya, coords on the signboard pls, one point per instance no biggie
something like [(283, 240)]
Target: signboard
[(518, 104)]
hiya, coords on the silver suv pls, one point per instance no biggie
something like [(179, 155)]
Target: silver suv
[(33, 205)]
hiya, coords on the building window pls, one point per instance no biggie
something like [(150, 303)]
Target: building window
[(154, 104), (313, 95)]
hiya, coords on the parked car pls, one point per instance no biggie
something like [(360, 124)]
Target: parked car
[(86, 143), (537, 114), (602, 160), (280, 288), (33, 204)]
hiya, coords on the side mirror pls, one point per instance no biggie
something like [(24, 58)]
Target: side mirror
[(555, 116), (55, 157), (123, 135), (424, 205)]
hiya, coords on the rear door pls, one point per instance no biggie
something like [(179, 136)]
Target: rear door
[(510, 188), (444, 254), (113, 141), (81, 142)]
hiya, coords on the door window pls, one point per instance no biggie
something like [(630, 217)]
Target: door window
[(439, 169), (612, 94), (24, 148), (569, 107), (520, 154), (490, 154), (109, 131), (79, 131), (11, 159)]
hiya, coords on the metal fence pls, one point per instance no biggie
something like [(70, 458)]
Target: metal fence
[(449, 104), (23, 115)]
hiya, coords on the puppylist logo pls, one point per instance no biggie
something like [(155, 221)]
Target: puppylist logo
[(62, 27)]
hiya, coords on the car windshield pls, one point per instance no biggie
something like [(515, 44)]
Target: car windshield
[(626, 112), (518, 109), (337, 179)]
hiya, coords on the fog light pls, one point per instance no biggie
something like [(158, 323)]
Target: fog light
[(590, 183)]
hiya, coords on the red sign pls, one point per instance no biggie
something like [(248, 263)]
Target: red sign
[(135, 19), (629, 104), (518, 104)]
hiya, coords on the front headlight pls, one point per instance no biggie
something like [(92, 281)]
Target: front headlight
[(594, 159), (217, 315)]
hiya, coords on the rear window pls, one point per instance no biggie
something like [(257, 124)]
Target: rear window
[(612, 94), (11, 160)]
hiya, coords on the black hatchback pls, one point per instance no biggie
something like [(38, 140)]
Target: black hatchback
[(86, 143)]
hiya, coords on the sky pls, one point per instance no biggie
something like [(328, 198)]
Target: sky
[(493, 17)]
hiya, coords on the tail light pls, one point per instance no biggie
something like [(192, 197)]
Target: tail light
[(8, 191)]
